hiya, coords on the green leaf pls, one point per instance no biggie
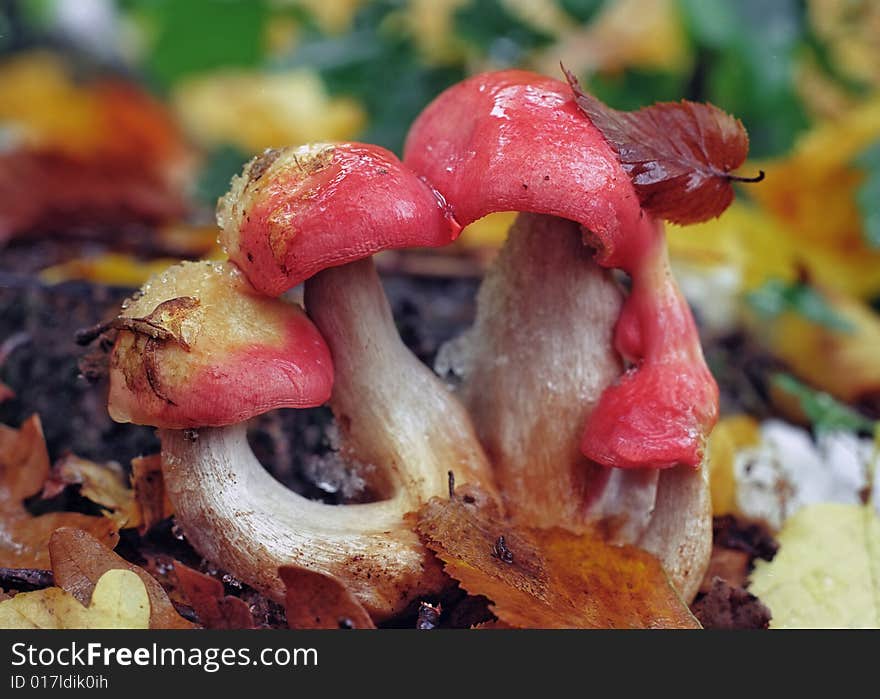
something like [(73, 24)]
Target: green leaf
[(776, 297), (194, 36), (489, 26), (632, 88), (824, 411), (378, 64), (747, 53), (581, 10), (868, 194), (216, 172)]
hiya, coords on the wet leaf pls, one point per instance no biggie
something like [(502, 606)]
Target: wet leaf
[(730, 435), (834, 349), (79, 560), (214, 608), (868, 194), (24, 467), (776, 297), (25, 579), (119, 601), (827, 571), (317, 601), (549, 578), (822, 410), (149, 490), (680, 155), (104, 484)]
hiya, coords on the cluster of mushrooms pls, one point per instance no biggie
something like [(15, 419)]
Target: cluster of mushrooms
[(583, 403)]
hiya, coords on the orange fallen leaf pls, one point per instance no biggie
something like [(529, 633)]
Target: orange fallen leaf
[(318, 601), (105, 484), (149, 491), (549, 578), (24, 467), (215, 609), (79, 560)]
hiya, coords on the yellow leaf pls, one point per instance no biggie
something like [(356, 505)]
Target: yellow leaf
[(119, 602), (257, 110), (745, 240), (812, 191), (105, 484), (842, 362), (549, 578), (625, 34), (827, 571), (114, 269), (729, 436)]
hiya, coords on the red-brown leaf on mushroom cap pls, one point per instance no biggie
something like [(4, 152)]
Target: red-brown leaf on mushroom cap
[(678, 154), (296, 211), (199, 347)]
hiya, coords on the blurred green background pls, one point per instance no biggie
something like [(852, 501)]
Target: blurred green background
[(794, 264)]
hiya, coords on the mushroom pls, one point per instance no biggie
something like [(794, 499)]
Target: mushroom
[(297, 211), (396, 418), (634, 385), (533, 368)]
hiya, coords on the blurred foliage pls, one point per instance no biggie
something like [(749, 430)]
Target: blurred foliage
[(393, 56), (821, 409), (800, 251), (776, 297), (868, 196)]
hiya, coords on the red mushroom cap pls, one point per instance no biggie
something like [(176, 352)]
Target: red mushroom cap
[(296, 211), (516, 141), (199, 347)]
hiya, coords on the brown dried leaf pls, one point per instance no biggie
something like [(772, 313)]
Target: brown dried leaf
[(318, 601), (680, 155), (550, 578), (79, 560), (149, 491), (24, 467), (104, 484), (215, 609), (729, 565)]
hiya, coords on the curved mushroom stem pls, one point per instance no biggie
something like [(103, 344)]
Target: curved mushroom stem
[(392, 410), (393, 414), (540, 354), (236, 515)]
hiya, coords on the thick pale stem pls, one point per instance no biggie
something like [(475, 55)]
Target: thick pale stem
[(540, 354), (236, 515), (392, 411), (396, 419)]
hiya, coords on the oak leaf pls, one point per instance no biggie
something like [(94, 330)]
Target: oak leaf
[(318, 601), (119, 601), (105, 484), (24, 467), (549, 578), (214, 608), (827, 571), (679, 155), (149, 491), (79, 560)]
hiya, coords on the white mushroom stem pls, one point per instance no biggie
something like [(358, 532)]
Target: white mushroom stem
[(537, 359), (393, 414)]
